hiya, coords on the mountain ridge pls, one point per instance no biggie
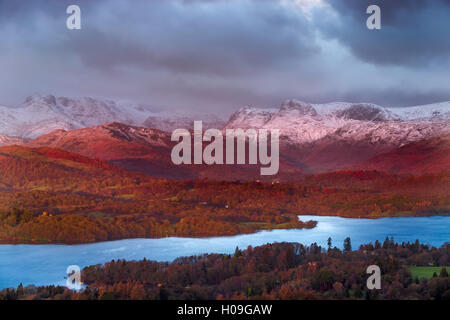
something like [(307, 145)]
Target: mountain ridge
[(314, 138), (302, 123), (41, 114), (7, 141)]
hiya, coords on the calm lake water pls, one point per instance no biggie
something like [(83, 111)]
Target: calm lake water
[(47, 264)]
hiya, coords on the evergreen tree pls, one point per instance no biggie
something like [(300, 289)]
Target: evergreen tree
[(386, 243), (20, 290), (377, 244), (347, 245)]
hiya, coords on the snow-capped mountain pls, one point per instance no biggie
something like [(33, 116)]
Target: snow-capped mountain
[(314, 137), (302, 122), (338, 135), (7, 141), (436, 111), (42, 114)]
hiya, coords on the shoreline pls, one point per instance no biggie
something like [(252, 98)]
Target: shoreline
[(18, 243), (156, 238)]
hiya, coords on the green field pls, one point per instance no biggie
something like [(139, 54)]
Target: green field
[(425, 272)]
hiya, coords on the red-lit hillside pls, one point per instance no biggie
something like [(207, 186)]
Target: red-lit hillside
[(23, 167), (148, 151), (50, 195), (422, 157)]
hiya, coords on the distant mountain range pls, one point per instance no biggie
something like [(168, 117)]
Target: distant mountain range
[(7, 141), (301, 122), (42, 114), (335, 136), (315, 138)]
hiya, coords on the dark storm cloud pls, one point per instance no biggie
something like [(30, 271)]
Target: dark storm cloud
[(219, 55), (196, 48), (414, 33), (218, 37)]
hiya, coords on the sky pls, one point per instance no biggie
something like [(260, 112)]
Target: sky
[(219, 55)]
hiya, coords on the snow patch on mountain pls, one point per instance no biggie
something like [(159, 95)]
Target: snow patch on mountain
[(8, 141), (301, 122), (435, 111), (42, 114)]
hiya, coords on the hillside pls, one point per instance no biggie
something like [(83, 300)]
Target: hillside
[(9, 141), (426, 156), (26, 168), (149, 151), (50, 195), (54, 196)]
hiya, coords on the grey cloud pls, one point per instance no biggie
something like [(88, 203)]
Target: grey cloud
[(415, 33), (216, 37), (218, 55), (396, 97)]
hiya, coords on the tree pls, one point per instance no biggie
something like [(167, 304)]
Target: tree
[(108, 296), (347, 245), (329, 243), (237, 253), (377, 244), (20, 290), (138, 292), (386, 243)]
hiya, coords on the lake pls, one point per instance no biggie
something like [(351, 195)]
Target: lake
[(47, 264)]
